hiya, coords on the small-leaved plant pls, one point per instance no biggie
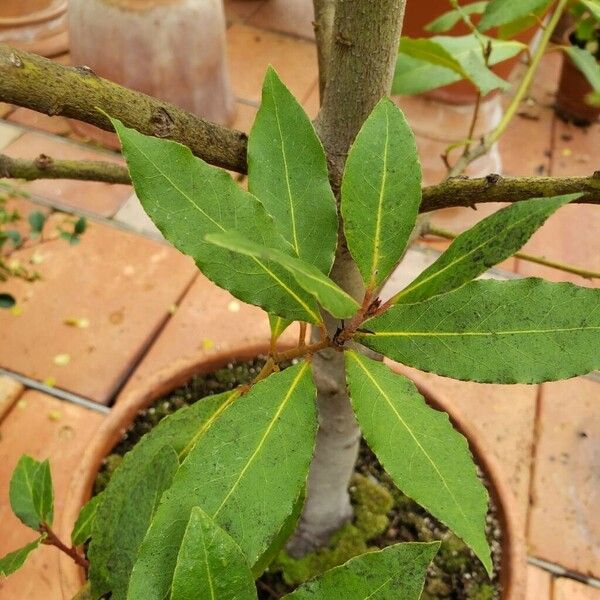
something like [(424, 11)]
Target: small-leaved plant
[(202, 503)]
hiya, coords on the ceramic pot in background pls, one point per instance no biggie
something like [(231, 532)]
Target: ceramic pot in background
[(137, 398), (573, 87), (421, 12), (38, 26), (174, 50)]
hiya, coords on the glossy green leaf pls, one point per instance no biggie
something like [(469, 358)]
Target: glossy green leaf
[(15, 560), (522, 331), (329, 295), (287, 172), (394, 573), (414, 76), (381, 192), (502, 12), (30, 492), (468, 65), (119, 528), (36, 221), (448, 20), (188, 199), (593, 6), (210, 565), (123, 517), (488, 243), (245, 472), (278, 325), (440, 474), (587, 64), (82, 530)]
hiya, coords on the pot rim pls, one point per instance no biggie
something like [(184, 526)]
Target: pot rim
[(55, 10), (128, 405)]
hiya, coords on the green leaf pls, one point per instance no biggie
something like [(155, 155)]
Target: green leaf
[(488, 243), (331, 297), (43, 494), (593, 6), (587, 64), (278, 325), (210, 565), (287, 171), (245, 472), (30, 493), (36, 221), (394, 573), (413, 76), (7, 300), (15, 560), (448, 20), (82, 530), (188, 199), (80, 226), (428, 460), (522, 331), (122, 520), (502, 12), (468, 65), (381, 192)]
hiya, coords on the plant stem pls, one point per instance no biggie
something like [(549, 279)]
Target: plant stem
[(449, 235), (45, 167), (48, 87), (323, 25), (53, 540), (493, 188), (524, 85)]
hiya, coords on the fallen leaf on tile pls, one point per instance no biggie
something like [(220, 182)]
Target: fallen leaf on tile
[(233, 306), (22, 404), (116, 317), (208, 344), (16, 310), (173, 309), (62, 359), (49, 381), (79, 322), (55, 415)]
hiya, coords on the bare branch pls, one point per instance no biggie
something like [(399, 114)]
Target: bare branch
[(45, 167), (461, 191), (48, 87), (323, 25)]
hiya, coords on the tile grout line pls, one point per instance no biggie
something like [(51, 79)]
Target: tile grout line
[(57, 393), (559, 571), (153, 338)]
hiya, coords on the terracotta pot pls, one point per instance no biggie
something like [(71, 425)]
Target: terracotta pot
[(38, 26), (421, 12), (573, 87), (174, 50), (128, 406)]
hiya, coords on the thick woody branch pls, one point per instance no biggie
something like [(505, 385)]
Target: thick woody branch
[(45, 167), (493, 188), (323, 25), (76, 92)]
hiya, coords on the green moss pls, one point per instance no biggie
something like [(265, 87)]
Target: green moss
[(483, 591), (371, 503)]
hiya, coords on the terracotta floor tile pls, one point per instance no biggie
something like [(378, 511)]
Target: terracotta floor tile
[(252, 50), (312, 103), (42, 427), (208, 320), (539, 584), (575, 150), (35, 120), (293, 17), (10, 391), (8, 134), (563, 519), (238, 11), (132, 214), (100, 198), (568, 589), (24, 207), (121, 283)]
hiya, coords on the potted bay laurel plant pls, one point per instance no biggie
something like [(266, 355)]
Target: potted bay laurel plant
[(199, 505)]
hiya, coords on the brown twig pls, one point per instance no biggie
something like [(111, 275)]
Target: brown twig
[(52, 539)]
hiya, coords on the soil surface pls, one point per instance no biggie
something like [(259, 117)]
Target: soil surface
[(384, 515)]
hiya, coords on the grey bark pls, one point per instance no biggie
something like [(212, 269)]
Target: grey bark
[(361, 66)]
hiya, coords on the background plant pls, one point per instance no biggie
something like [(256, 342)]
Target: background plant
[(229, 474)]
